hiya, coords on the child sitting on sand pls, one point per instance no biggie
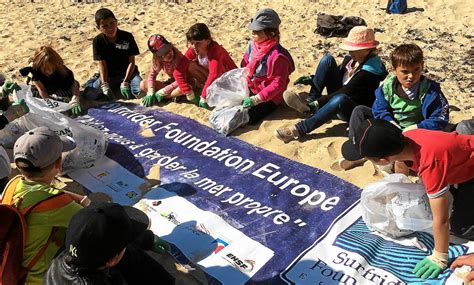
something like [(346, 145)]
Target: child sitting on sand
[(52, 79), (407, 99), (268, 64), (114, 51), (348, 85), (165, 58), (213, 60)]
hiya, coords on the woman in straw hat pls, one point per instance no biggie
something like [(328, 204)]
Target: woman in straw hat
[(350, 84)]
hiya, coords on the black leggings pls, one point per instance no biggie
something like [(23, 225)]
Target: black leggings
[(257, 113)]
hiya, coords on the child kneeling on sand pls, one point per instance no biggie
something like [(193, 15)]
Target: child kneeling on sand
[(212, 61), (52, 79), (443, 161), (114, 51), (165, 58)]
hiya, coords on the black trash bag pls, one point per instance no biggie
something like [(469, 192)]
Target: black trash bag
[(336, 26)]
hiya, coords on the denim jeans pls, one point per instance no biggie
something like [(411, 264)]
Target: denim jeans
[(93, 91), (338, 104), (327, 75)]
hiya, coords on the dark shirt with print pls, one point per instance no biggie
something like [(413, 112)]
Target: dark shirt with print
[(55, 81), (115, 54)]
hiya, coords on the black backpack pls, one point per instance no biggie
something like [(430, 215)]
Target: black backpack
[(336, 26)]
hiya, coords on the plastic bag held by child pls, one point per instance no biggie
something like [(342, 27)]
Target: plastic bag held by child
[(228, 90), (226, 120), (91, 144), (395, 207)]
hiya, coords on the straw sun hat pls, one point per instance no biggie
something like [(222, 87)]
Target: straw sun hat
[(359, 37)]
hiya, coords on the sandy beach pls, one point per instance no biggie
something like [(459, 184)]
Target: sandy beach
[(443, 29)]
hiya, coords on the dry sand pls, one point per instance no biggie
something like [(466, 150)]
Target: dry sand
[(443, 29)]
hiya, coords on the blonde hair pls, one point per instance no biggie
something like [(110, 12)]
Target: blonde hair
[(47, 55)]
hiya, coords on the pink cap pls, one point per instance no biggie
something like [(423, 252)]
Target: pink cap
[(359, 37), (158, 45)]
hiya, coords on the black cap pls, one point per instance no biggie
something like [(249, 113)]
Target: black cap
[(101, 231), (373, 138)]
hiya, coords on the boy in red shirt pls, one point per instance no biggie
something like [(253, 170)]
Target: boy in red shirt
[(441, 160)]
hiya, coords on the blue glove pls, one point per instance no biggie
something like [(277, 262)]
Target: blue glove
[(431, 266), (248, 102)]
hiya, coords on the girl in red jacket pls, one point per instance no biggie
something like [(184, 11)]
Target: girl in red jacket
[(268, 64), (213, 60)]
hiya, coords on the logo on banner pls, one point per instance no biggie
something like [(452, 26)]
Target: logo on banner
[(171, 217), (221, 244), (246, 265)]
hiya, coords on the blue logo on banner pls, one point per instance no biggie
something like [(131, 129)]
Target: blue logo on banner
[(390, 256)]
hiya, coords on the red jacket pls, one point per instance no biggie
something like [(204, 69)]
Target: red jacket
[(219, 63)]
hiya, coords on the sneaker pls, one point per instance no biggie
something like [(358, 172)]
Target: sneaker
[(287, 134), (16, 110), (347, 164), (296, 101)]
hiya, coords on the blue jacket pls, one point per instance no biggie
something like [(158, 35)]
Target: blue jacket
[(434, 106)]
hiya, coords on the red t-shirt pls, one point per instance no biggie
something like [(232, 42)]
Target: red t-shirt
[(441, 159)]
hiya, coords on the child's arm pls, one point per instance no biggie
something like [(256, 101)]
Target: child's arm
[(280, 79), (103, 71), (435, 110), (381, 108), (42, 91), (151, 78), (130, 68), (179, 75), (440, 210)]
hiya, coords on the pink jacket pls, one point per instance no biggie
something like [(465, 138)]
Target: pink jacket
[(272, 74)]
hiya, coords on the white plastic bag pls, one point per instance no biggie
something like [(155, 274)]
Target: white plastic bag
[(394, 206), (91, 144), (228, 90), (227, 119)]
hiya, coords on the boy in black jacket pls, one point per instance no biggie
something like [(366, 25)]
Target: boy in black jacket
[(351, 84)]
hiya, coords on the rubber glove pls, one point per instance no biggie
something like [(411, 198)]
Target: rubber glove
[(151, 96), (160, 246), (305, 80), (76, 105), (8, 88), (247, 103), (203, 103), (431, 266), (106, 89), (125, 90), (192, 98)]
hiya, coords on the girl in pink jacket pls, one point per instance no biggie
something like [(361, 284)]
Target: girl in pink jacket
[(165, 58), (268, 64)]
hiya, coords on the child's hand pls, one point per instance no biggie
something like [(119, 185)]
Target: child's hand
[(203, 103), (431, 266), (305, 80), (160, 246), (8, 88), (106, 89), (247, 103), (125, 90), (76, 105)]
